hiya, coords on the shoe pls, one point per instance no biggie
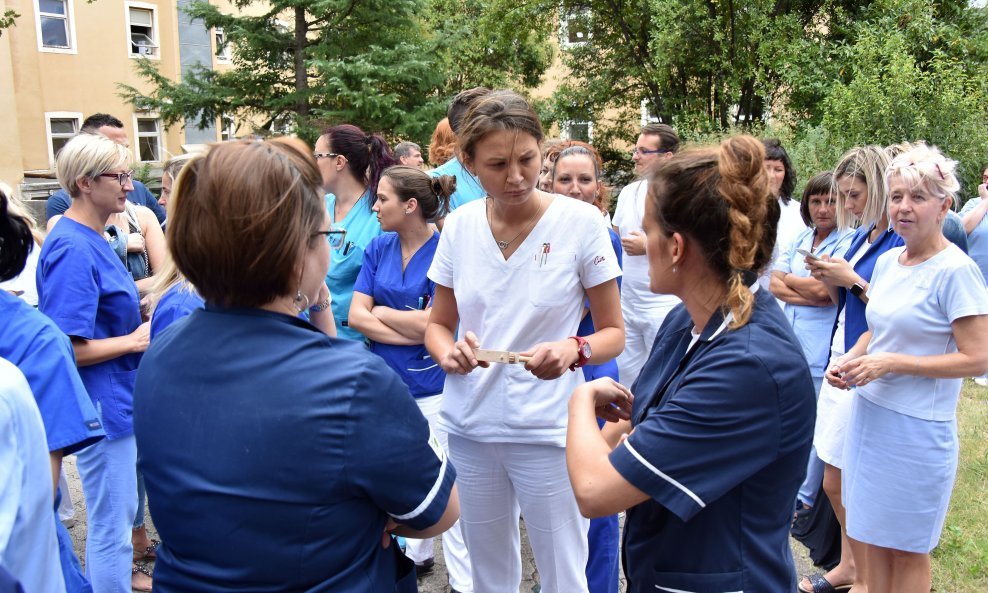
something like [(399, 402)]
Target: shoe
[(149, 553), (424, 567), (822, 585), (140, 578), (982, 381)]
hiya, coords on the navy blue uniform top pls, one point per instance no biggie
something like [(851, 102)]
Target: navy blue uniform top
[(257, 429), (86, 290), (855, 323), (60, 201), (720, 445), (382, 278), (44, 354)]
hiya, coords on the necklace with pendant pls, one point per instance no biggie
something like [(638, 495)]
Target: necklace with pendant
[(504, 244)]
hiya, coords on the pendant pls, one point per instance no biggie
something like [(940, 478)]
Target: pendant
[(502, 244)]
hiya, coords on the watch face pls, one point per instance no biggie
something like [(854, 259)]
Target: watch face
[(585, 350)]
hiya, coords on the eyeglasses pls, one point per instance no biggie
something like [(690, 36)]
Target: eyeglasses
[(325, 155), (122, 178), (334, 236), (644, 151)]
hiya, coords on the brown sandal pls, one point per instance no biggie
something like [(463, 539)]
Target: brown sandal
[(149, 553)]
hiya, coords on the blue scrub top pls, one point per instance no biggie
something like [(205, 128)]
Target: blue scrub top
[(609, 368), (86, 290), (468, 187), (297, 445), (720, 444), (60, 201), (812, 325), (382, 279), (855, 323), (344, 265), (178, 301), (977, 239), (44, 354)]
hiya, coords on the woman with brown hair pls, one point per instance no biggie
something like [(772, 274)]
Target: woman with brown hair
[(722, 412), (253, 422), (442, 147)]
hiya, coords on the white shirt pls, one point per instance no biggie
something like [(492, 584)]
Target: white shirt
[(790, 226), (26, 282), (910, 309), (535, 296), (628, 215), (28, 545)]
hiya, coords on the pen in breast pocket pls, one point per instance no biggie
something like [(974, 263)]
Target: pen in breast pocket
[(348, 248), (546, 248)]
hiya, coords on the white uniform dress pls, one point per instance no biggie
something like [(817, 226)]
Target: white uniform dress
[(901, 449), (507, 429), (643, 310)]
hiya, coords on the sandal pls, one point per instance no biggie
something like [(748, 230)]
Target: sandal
[(140, 568), (821, 585), (149, 553)]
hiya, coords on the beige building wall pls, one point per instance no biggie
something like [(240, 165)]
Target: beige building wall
[(81, 80)]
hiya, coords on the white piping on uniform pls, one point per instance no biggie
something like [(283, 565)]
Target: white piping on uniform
[(665, 477), (661, 588), (428, 499)]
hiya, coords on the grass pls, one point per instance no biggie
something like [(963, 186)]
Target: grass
[(960, 563)]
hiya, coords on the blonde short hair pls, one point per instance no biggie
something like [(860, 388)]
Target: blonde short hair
[(88, 155), (925, 167)]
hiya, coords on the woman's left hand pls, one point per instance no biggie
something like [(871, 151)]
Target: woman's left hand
[(611, 400), (549, 360), (867, 368)]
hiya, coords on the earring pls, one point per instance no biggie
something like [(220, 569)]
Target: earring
[(407, 212), (299, 298), (674, 269)]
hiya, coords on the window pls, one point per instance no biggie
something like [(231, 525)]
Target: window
[(577, 130), (148, 139), (142, 24), (222, 45), (55, 28), (574, 26), (649, 116), (228, 130), (60, 128)]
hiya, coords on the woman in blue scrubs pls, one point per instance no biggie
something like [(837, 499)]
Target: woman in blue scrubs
[(722, 413), (86, 290), (44, 355), (254, 424), (350, 162), (391, 304)]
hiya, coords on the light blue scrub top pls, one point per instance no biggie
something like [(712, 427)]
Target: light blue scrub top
[(813, 325), (382, 279), (468, 187), (344, 265), (977, 240)]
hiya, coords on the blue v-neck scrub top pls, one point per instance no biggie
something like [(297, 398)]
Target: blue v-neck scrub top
[(381, 278), (344, 263), (721, 438), (86, 290)]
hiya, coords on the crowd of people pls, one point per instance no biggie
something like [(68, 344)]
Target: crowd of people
[(312, 361)]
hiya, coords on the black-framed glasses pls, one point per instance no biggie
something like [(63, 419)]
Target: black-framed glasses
[(644, 151), (336, 237), (122, 178), (325, 155)]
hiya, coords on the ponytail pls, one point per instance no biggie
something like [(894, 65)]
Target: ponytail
[(380, 159), (432, 193)]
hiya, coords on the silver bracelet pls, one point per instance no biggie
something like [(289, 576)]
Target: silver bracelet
[(319, 308)]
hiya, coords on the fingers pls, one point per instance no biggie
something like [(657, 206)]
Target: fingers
[(548, 361)]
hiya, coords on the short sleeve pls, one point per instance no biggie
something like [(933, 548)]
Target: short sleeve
[(720, 427), (784, 264), (441, 270), (368, 271), (69, 290), (598, 261), (962, 292), (970, 205), (392, 455)]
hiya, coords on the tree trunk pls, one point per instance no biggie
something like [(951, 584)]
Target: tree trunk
[(301, 74)]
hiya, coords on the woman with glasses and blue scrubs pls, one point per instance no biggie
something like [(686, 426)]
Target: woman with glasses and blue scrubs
[(722, 412), (86, 290), (392, 300), (44, 355), (350, 162)]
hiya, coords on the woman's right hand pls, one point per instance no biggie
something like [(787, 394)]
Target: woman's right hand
[(834, 376), (612, 401), (834, 271), (460, 360), (141, 337), (135, 243)]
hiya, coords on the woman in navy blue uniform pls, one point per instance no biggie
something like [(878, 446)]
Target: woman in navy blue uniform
[(86, 290), (722, 414), (392, 300), (257, 428)]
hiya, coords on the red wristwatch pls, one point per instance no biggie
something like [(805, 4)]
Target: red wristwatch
[(583, 349)]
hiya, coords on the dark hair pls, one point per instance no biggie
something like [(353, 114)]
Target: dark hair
[(461, 103), (668, 138), (367, 155), (819, 184), (253, 257), (432, 193), (97, 120), (16, 240), (403, 149), (775, 152), (578, 148), (497, 111), (719, 198)]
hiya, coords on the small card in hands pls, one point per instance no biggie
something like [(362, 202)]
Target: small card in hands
[(503, 356)]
